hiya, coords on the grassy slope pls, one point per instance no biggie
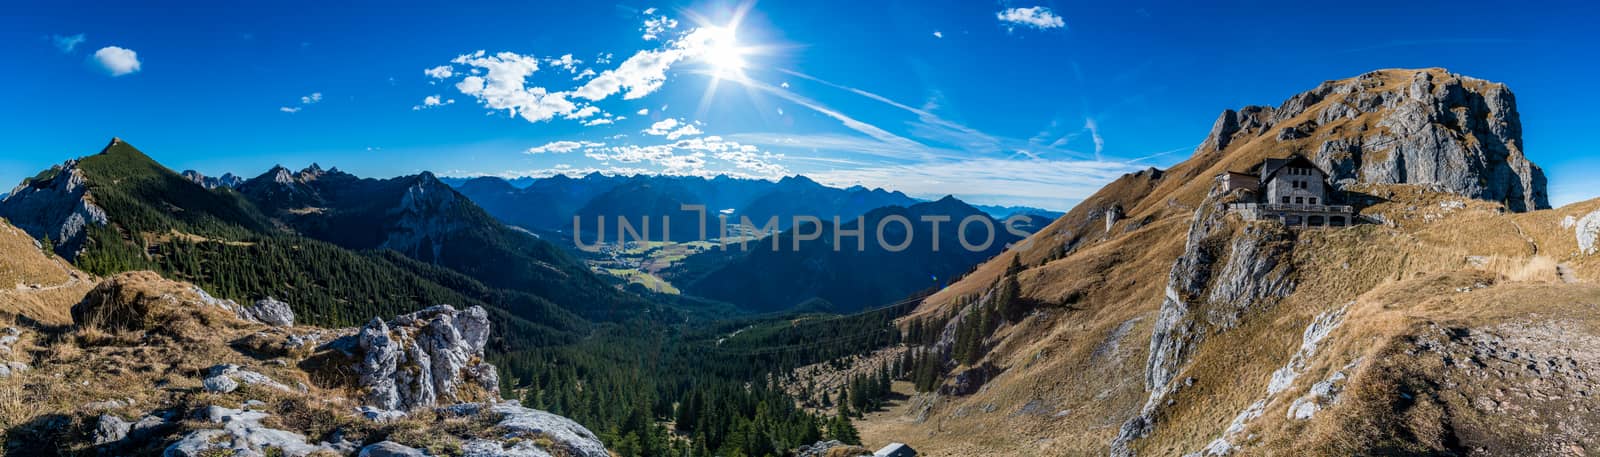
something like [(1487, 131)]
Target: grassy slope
[(1082, 364)]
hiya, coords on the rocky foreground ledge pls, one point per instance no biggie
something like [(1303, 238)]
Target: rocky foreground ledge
[(157, 367)]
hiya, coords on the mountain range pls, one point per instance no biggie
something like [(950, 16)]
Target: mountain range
[(550, 204), (299, 312), (284, 235), (849, 267)]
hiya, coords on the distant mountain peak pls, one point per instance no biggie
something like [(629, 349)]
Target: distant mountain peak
[(282, 175)]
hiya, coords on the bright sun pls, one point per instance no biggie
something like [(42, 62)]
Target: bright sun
[(722, 51)]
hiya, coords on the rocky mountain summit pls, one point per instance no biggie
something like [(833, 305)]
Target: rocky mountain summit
[(1428, 127)]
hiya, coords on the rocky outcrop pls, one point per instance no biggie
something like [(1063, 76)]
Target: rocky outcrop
[(1426, 127), (1587, 231), (1226, 270), (56, 204), (423, 358), (831, 448)]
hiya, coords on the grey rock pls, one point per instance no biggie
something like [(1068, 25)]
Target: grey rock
[(269, 311), (241, 434), (460, 409), (8, 369), (1205, 296), (447, 344), (1441, 130), (568, 437), (220, 384), (389, 449), (378, 414), (1587, 230), (58, 206), (227, 378), (493, 448), (110, 429)]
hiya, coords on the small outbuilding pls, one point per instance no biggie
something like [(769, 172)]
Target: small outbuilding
[(896, 450)]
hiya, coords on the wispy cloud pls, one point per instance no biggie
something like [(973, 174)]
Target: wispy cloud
[(67, 43), (309, 99), (564, 146)]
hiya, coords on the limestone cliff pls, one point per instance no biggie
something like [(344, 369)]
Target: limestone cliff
[(56, 204), (1427, 127)]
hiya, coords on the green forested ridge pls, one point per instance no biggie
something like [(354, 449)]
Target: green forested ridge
[(653, 380), (365, 214)]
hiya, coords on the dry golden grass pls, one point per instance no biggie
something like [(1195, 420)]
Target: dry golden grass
[(35, 283), (1081, 360)]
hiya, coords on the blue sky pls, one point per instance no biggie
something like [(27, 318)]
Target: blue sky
[(1035, 102)]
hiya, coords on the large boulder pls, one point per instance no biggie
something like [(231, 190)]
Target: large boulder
[(241, 432), (531, 432), (269, 311), (424, 358)]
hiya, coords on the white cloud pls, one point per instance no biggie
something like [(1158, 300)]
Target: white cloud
[(504, 86), (117, 61), (563, 146), (692, 157), (938, 34), (584, 113), (1038, 17), (643, 73), (565, 61), (672, 129), (650, 11), (67, 43), (1094, 133), (502, 81), (599, 121), (432, 101), (686, 130), (655, 26), (644, 111), (662, 127), (440, 72), (314, 97)]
